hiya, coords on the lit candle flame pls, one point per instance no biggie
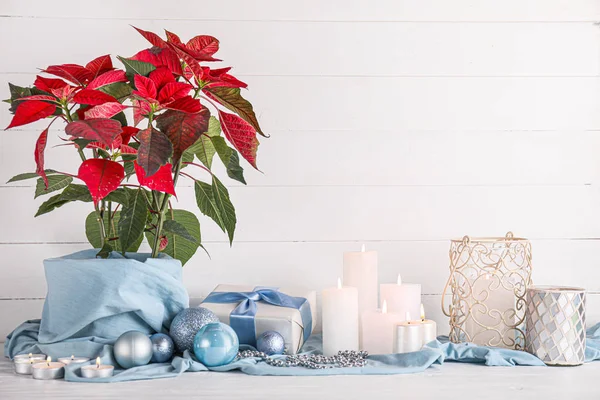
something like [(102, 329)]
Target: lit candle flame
[(422, 312), (30, 355), (362, 249), (339, 283), (72, 357), (487, 277), (407, 316), (48, 360), (399, 281), (97, 362), (384, 307)]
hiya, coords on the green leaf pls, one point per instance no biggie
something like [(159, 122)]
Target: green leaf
[(234, 169), (226, 208), (75, 192), (213, 201), (118, 90), (133, 219), (105, 250), (178, 247), (214, 127), (174, 227), (230, 159), (204, 150), (92, 232), (133, 67), (29, 175), (118, 196), (121, 118), (55, 182), (51, 204)]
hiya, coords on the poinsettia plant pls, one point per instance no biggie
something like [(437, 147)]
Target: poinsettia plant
[(169, 94)]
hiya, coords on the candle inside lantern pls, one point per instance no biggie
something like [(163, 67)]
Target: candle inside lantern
[(409, 336), (340, 319), (377, 330), (23, 362), (98, 370), (402, 297), (492, 313), (73, 360), (429, 328), (48, 370), (360, 271)]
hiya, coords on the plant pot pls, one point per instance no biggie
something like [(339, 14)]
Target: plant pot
[(92, 301)]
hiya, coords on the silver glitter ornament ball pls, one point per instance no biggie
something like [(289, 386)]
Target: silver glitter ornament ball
[(162, 348), (187, 323), (270, 343), (133, 349)]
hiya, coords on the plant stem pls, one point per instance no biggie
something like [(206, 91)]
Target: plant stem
[(161, 213)]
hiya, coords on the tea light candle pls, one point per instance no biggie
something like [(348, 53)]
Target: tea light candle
[(360, 271), (402, 297), (340, 319), (429, 328), (30, 356), (377, 330), (48, 370), (23, 362), (73, 360), (409, 336), (97, 371)]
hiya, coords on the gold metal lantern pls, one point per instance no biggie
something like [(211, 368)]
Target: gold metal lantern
[(488, 280)]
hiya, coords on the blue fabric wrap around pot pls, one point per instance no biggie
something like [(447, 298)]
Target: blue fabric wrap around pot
[(92, 301)]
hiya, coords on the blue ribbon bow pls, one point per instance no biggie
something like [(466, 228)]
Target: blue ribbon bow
[(241, 318)]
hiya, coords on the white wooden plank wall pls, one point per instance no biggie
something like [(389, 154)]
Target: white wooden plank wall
[(395, 123)]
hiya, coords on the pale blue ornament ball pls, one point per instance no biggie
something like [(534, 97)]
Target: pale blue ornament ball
[(216, 344), (270, 343), (187, 323), (133, 349), (162, 348)]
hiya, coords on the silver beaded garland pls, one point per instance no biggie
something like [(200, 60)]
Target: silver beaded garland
[(343, 359), (187, 323)]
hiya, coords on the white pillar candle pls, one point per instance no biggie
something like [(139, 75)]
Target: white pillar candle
[(48, 370), (97, 371), (360, 271), (340, 319), (402, 297), (409, 336), (73, 360), (429, 328), (377, 330)]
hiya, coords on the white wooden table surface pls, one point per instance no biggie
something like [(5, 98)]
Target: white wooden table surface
[(449, 381)]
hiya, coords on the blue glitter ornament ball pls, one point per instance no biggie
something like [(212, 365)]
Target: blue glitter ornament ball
[(162, 348), (133, 349), (270, 343), (216, 344), (187, 323)]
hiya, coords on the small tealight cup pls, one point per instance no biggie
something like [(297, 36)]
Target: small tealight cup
[(48, 370), (30, 356), (23, 365), (73, 360), (97, 371)]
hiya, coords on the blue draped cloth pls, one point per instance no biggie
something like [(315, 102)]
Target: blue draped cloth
[(242, 318), (435, 353)]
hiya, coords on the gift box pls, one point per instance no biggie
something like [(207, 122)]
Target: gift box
[(251, 310)]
